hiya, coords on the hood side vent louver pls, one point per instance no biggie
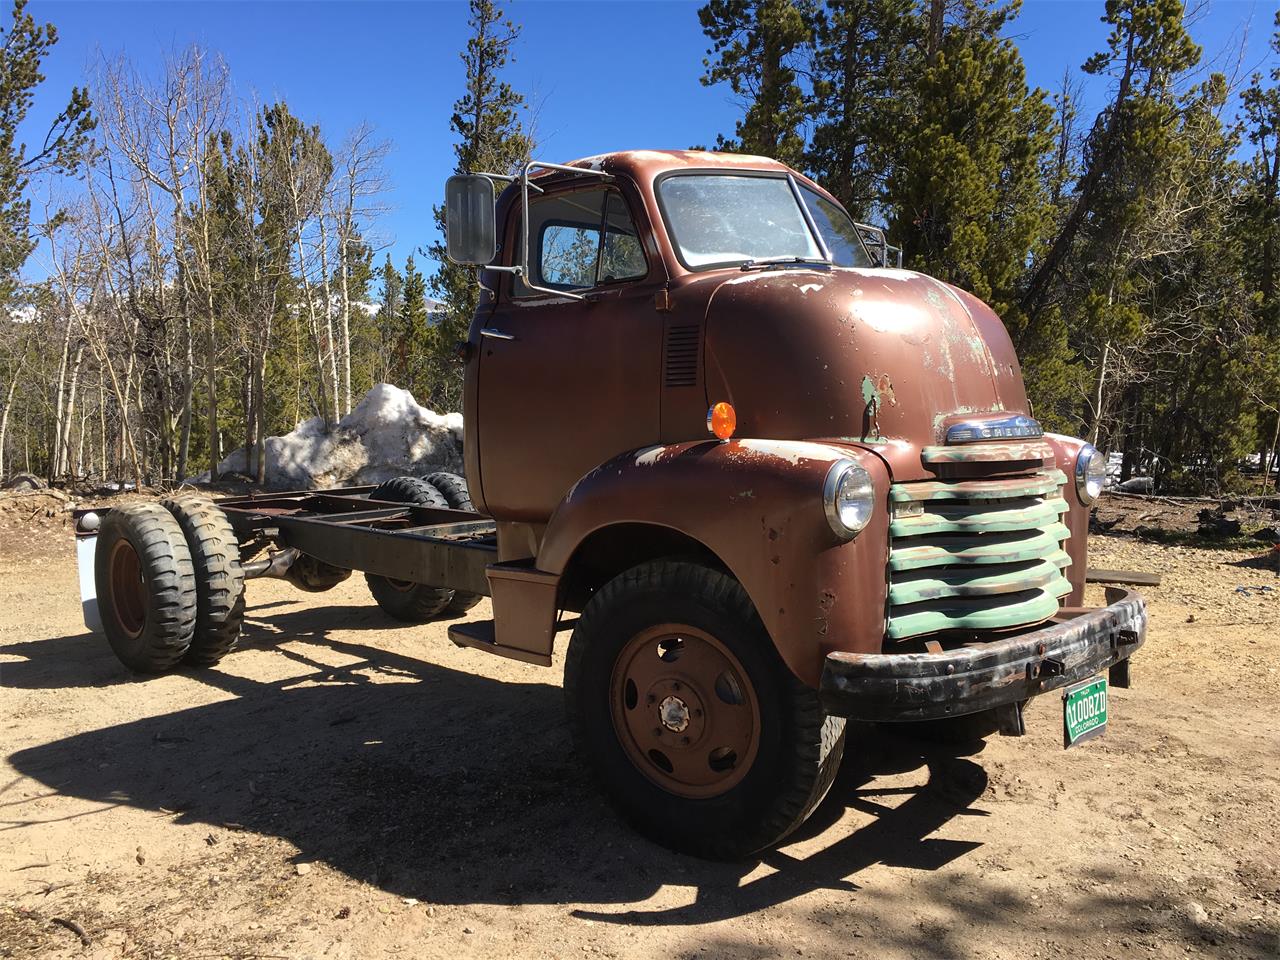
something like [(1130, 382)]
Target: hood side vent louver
[(680, 355)]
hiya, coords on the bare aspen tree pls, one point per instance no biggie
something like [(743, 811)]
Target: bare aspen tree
[(360, 184), (164, 130), (300, 170)]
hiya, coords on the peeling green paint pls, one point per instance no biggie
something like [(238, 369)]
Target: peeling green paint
[(1042, 482), (993, 548), (869, 394), (1031, 610), (945, 517)]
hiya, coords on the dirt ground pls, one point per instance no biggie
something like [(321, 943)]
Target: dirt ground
[(344, 787)]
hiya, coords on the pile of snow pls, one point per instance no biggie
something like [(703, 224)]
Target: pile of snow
[(387, 434)]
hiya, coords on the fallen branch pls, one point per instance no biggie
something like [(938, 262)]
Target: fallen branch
[(74, 928)]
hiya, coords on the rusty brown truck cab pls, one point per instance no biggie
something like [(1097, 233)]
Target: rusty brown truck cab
[(781, 483), (909, 542)]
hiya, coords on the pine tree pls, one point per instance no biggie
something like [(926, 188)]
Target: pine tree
[(859, 76), (383, 344), (1258, 228), (413, 368), (965, 189), (23, 46), (1262, 197), (1148, 46), (491, 139), (1128, 218), (756, 46)]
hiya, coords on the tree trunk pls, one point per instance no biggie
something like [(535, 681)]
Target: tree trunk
[(64, 442), (54, 461), (1269, 464), (314, 324), (1044, 273), (346, 323), (1098, 385), (937, 13), (211, 384), (259, 402), (188, 388), (102, 427), (327, 293), (4, 421)]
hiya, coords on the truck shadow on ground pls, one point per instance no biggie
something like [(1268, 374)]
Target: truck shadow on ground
[(451, 787)]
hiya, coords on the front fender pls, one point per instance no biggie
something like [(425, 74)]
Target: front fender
[(757, 505)]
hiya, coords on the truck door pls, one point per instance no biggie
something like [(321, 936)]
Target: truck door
[(566, 384)]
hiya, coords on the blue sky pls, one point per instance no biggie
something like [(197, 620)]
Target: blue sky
[(600, 75)]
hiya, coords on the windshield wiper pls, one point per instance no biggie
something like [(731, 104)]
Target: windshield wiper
[(767, 263)]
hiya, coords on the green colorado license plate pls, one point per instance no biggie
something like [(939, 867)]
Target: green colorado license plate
[(1084, 711)]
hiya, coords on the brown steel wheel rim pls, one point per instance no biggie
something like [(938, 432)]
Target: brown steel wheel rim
[(128, 592), (684, 710)]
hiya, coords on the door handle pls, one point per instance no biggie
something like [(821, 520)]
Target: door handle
[(496, 334)]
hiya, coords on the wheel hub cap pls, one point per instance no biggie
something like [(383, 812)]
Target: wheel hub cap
[(674, 714), (684, 710)]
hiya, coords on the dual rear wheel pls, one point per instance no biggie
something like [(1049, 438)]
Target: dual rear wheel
[(169, 583), (418, 602)]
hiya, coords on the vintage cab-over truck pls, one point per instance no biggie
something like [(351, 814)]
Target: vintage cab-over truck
[(781, 483)]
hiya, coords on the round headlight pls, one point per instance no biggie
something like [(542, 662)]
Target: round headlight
[(1091, 473), (849, 497)]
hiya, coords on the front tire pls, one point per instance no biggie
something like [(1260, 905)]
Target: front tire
[(697, 732)]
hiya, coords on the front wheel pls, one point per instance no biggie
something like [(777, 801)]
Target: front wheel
[(698, 733)]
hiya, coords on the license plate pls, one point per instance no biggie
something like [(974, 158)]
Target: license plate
[(1084, 711)]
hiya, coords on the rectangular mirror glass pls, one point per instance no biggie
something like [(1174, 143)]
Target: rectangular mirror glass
[(471, 234)]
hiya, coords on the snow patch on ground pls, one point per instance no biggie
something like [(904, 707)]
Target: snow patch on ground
[(387, 434)]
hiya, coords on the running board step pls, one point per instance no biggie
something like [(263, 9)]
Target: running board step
[(480, 635)]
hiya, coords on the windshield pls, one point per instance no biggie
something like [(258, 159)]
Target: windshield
[(726, 219), (720, 219)]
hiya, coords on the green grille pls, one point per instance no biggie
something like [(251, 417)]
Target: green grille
[(976, 554)]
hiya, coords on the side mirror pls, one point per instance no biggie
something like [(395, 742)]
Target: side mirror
[(471, 232)]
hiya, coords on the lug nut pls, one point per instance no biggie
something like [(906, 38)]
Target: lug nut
[(651, 699), (657, 731), (684, 741)]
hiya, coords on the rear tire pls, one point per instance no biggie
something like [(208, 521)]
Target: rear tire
[(215, 556), (458, 496), (403, 599), (453, 488), (146, 586), (668, 660)]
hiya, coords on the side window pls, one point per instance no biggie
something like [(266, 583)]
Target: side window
[(580, 240), (568, 255)]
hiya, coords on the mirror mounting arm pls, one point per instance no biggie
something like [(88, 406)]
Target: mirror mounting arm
[(460, 194)]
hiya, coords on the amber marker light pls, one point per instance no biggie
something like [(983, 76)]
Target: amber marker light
[(722, 421)]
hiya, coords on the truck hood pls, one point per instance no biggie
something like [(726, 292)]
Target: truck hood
[(883, 358)]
